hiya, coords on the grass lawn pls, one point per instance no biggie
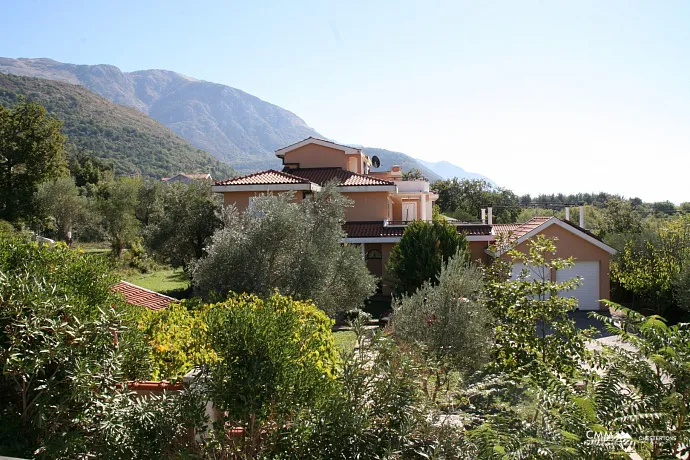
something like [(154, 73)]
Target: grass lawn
[(172, 282), (345, 340)]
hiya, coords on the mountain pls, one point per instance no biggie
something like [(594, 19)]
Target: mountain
[(134, 142), (227, 123), (389, 158), (448, 170)]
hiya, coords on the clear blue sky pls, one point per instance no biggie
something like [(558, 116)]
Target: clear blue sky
[(542, 96)]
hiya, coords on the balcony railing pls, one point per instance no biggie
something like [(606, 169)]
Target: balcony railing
[(400, 223), (412, 186), (403, 223)]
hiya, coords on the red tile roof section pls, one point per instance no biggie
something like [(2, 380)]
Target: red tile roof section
[(519, 230), (268, 177), (139, 296), (378, 230), (343, 177), (197, 175)]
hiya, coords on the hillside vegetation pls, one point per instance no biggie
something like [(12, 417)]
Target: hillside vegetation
[(226, 122), (133, 142)]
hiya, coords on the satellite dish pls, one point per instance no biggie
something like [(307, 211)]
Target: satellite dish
[(375, 161)]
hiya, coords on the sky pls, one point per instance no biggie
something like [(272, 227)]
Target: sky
[(541, 96)]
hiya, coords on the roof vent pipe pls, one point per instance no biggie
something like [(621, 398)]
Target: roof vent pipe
[(491, 215), (567, 213), (483, 216), (582, 216)]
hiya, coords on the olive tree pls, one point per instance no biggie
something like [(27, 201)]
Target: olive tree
[(447, 323), (294, 247)]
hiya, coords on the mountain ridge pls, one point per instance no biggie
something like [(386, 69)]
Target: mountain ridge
[(448, 170), (230, 124), (135, 143)]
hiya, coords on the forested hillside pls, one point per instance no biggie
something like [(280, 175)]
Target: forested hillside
[(226, 122), (132, 141)]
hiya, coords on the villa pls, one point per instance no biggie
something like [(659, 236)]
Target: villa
[(384, 204)]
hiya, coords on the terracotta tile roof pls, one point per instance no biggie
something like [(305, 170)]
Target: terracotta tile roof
[(378, 230), (197, 176), (139, 296), (474, 229), (343, 177), (519, 230), (372, 230), (268, 177), (505, 228)]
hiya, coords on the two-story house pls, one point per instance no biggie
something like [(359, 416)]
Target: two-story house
[(382, 201), (383, 205)]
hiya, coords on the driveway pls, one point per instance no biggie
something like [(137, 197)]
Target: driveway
[(583, 321)]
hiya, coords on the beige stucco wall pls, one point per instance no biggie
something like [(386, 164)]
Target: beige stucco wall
[(569, 244), (367, 206), (241, 199), (477, 251), (319, 156)]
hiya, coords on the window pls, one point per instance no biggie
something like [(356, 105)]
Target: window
[(409, 211), (374, 254)]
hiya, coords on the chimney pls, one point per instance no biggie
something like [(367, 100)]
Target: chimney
[(483, 216), (567, 213), (396, 172), (582, 216), (491, 215)]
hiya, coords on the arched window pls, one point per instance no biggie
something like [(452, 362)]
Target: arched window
[(374, 254)]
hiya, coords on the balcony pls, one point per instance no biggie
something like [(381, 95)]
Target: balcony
[(412, 186)]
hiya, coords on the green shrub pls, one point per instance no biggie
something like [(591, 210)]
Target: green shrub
[(357, 314), (275, 357), (424, 249), (6, 228)]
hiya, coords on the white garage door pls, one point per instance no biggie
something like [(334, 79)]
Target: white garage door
[(587, 294)]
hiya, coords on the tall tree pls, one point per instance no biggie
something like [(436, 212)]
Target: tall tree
[(191, 213), (463, 199), (86, 168), (117, 202), (59, 200), (424, 249), (32, 149)]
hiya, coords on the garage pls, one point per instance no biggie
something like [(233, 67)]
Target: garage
[(587, 294)]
